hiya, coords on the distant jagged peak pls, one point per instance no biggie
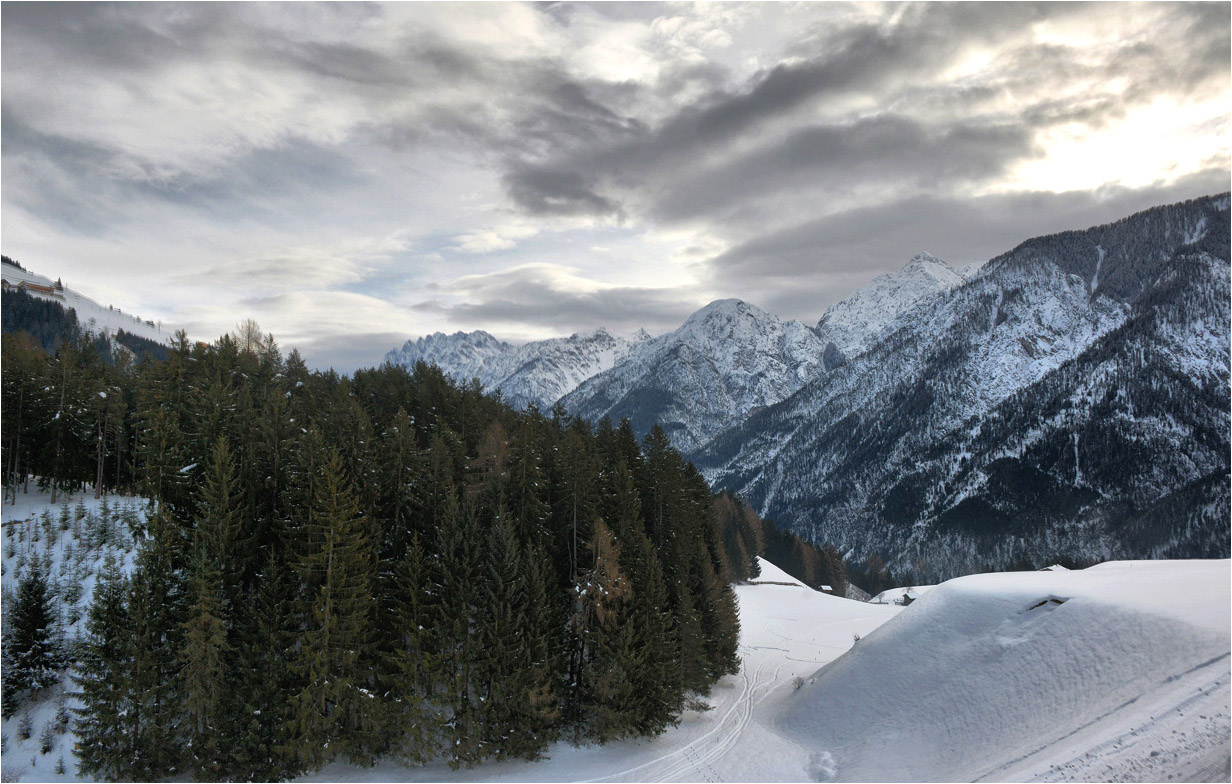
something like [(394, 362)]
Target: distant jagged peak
[(475, 336), (721, 310), (927, 264), (854, 323)]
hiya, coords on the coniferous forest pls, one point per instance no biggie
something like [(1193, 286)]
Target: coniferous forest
[(384, 565)]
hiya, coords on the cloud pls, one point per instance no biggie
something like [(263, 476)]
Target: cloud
[(544, 191), (535, 300), (545, 168), (836, 159), (799, 270)]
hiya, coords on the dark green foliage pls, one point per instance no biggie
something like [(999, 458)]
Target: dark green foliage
[(335, 711), (31, 656), (102, 676), (384, 565), (49, 323)]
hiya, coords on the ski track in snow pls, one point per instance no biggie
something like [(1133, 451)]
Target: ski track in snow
[(697, 756)]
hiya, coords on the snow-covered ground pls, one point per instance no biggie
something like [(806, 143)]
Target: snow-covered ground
[(1120, 674), (895, 595), (71, 541)]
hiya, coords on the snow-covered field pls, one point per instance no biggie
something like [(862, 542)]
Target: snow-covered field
[(1119, 672)]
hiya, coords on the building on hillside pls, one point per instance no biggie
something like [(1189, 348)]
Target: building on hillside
[(56, 291)]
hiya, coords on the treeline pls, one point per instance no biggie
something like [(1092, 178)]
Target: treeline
[(51, 325), (746, 535), (387, 565), (48, 322)]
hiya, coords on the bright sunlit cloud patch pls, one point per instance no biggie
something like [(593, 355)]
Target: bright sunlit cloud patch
[(1158, 142)]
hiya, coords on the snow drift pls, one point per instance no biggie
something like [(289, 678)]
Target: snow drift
[(1120, 671)]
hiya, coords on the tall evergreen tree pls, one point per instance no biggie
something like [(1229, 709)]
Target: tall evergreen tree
[(156, 610), (101, 674), (457, 576), (411, 669), (205, 666), (334, 712)]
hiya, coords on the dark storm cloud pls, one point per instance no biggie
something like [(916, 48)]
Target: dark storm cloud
[(543, 191), (887, 149)]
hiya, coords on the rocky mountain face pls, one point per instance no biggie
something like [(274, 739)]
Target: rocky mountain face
[(1071, 398), (727, 360), (538, 373), (856, 323)]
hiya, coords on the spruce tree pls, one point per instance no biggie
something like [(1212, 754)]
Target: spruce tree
[(205, 657), (156, 611), (262, 747), (603, 648), (544, 634), (503, 666), (214, 594), (411, 668), (33, 657), (335, 710), (457, 576), (101, 675)]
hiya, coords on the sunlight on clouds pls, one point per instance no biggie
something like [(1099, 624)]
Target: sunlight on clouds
[(497, 239), (1157, 142)]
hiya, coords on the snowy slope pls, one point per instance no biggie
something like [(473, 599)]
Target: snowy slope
[(93, 317), (72, 541), (895, 595), (727, 360), (1111, 673), (865, 316), (1126, 680), (539, 372)]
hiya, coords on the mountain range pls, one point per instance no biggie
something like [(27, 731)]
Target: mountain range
[(1069, 398)]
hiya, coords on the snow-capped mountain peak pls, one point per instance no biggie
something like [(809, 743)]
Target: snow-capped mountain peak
[(858, 321), (465, 355), (727, 359)]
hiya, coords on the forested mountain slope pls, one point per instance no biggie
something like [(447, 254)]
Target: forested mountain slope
[(1071, 398)]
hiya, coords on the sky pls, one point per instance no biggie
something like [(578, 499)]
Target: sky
[(353, 175)]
